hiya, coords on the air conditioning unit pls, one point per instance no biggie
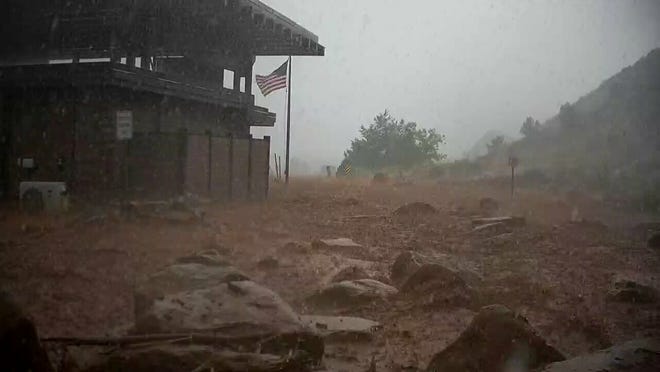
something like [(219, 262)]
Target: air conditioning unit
[(43, 196)]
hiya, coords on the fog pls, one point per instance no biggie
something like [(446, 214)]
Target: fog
[(462, 67)]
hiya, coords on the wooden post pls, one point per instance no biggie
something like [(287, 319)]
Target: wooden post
[(513, 163)]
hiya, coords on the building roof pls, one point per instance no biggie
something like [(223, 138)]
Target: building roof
[(33, 29)]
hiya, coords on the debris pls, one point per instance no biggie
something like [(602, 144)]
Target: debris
[(170, 358), (632, 292), (342, 328), (338, 245), (642, 355), (350, 294), (510, 221), (497, 339), (350, 273), (492, 228)]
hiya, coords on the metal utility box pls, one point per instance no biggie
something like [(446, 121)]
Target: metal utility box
[(44, 196)]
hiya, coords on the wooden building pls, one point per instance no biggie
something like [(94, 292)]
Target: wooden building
[(72, 72)]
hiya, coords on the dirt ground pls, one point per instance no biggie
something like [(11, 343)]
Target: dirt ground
[(74, 274)]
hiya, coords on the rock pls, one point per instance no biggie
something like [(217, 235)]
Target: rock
[(243, 310), (654, 240), (350, 273), (342, 328), (350, 293), (415, 209), (190, 273), (20, 349), (209, 257), (405, 264), (497, 339), (295, 247), (268, 263), (175, 358), (641, 355), (632, 292), (338, 245), (442, 285), (488, 205)]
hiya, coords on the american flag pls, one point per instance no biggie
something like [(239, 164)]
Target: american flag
[(276, 80)]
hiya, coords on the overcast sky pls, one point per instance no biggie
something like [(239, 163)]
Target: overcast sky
[(462, 67)]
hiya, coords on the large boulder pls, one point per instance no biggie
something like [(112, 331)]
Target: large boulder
[(496, 340), (350, 293), (175, 358), (641, 355), (204, 295), (20, 349), (186, 274)]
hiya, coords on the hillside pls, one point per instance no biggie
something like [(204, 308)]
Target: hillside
[(609, 138)]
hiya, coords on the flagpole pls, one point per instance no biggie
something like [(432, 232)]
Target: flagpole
[(288, 126)]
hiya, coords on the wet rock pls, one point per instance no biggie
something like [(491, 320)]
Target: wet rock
[(641, 355), (632, 292), (405, 265), (408, 263), (169, 358), (338, 245), (20, 349), (496, 340), (438, 285), (415, 209), (208, 258), (654, 240), (243, 310), (350, 293), (342, 328), (189, 273), (295, 247), (350, 273)]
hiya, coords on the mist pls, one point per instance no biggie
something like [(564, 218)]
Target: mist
[(462, 67)]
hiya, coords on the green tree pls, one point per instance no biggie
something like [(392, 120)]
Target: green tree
[(568, 116), (388, 142), (530, 127), (496, 145)]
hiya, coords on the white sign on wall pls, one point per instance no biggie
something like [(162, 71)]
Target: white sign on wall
[(124, 125)]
